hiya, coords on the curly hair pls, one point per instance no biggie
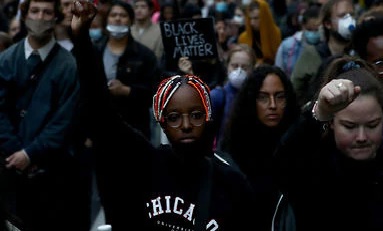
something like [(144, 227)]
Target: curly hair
[(243, 115)]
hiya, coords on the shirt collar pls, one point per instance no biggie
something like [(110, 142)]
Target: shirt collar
[(43, 51)]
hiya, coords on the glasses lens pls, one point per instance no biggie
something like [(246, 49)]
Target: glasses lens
[(173, 119), (379, 66), (265, 99), (197, 118)]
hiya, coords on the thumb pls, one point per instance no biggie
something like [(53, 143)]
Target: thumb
[(357, 91)]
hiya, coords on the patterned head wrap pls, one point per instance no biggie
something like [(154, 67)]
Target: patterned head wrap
[(170, 85)]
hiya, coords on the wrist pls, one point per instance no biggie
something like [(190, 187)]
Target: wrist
[(317, 115)]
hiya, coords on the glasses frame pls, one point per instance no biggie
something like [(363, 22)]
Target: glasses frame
[(279, 99), (379, 65), (178, 123)]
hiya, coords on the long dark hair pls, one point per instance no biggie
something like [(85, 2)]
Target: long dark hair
[(243, 117)]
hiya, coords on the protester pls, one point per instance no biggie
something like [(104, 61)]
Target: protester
[(291, 47), (131, 71), (368, 37), (337, 21), (261, 32), (182, 185), (330, 162), (38, 105), (240, 64), (265, 106)]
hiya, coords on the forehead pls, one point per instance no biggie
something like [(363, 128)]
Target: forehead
[(141, 3), (65, 2), (272, 83), (41, 5), (184, 99), (118, 9), (363, 109), (342, 8), (254, 13), (375, 48), (240, 56), (312, 23)]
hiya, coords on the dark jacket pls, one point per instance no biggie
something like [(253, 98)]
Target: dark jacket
[(159, 192), (328, 190), (137, 68)]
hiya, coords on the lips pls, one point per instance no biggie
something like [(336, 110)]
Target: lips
[(187, 140), (272, 116)]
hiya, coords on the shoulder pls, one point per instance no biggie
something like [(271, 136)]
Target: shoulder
[(143, 50), (10, 51), (155, 27), (217, 95), (216, 91), (227, 164), (221, 158), (64, 55), (229, 174)]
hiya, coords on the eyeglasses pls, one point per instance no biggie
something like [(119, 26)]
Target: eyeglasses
[(196, 118), (379, 66), (279, 99)]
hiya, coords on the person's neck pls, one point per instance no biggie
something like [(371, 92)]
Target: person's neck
[(142, 24), (38, 43), (336, 47), (117, 46)]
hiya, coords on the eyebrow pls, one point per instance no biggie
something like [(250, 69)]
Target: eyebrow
[(268, 93)]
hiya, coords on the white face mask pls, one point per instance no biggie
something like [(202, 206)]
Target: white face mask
[(117, 31), (237, 77), (246, 2), (239, 20), (346, 25)]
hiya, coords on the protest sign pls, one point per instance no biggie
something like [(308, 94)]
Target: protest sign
[(193, 38)]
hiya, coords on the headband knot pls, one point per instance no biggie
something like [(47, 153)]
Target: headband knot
[(351, 65)]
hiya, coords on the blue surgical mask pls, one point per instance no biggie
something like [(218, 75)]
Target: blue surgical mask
[(221, 7), (312, 37), (95, 33)]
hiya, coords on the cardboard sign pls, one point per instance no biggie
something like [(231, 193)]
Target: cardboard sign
[(193, 38)]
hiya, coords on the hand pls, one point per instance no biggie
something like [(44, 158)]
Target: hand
[(335, 96), (185, 65), (116, 87), (83, 14), (18, 160)]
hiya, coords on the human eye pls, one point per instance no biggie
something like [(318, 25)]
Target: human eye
[(113, 14), (245, 67), (34, 10), (374, 123), (49, 12), (349, 125), (173, 117), (281, 96), (234, 65), (197, 115), (262, 97)]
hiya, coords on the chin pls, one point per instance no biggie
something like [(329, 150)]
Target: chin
[(363, 154)]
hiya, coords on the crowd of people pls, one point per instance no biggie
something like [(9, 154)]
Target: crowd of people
[(281, 130)]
